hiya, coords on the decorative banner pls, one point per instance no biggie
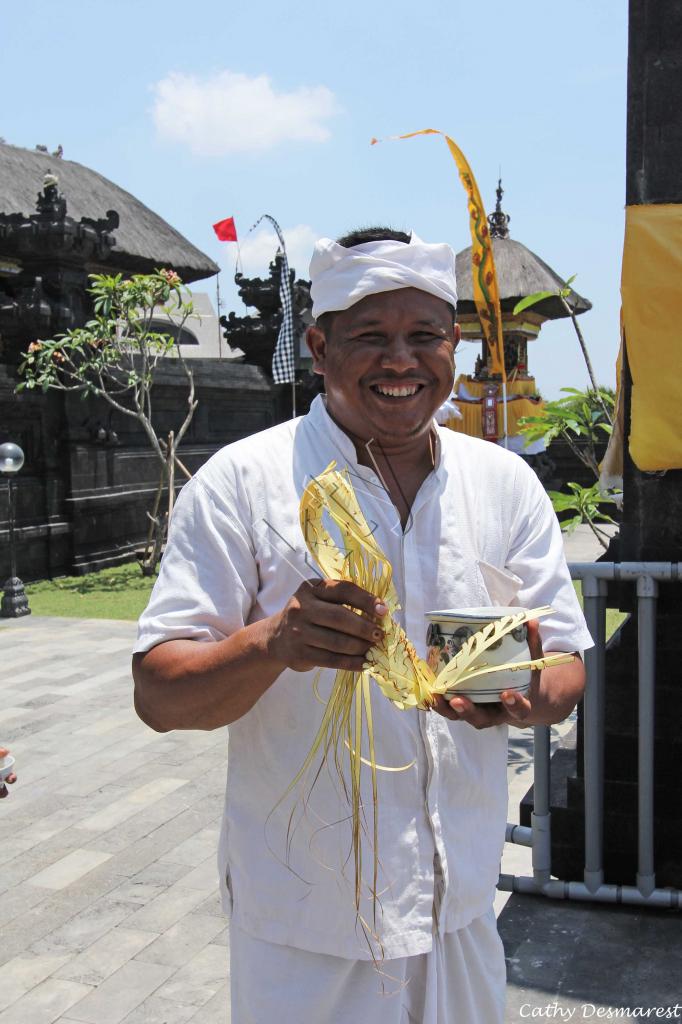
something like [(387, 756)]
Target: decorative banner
[(284, 358), (486, 291), (226, 230), (652, 314)]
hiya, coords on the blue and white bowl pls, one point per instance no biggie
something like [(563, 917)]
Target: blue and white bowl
[(449, 629)]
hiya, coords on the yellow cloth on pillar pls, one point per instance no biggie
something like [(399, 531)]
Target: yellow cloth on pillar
[(651, 288)]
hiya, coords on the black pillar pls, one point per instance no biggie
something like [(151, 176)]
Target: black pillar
[(651, 528)]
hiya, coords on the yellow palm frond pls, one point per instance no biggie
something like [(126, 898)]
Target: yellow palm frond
[(393, 663)]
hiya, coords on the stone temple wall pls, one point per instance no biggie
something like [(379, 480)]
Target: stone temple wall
[(90, 475)]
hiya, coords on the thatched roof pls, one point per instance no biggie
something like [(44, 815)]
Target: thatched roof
[(520, 273), (144, 240)]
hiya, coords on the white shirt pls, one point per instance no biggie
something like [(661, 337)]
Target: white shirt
[(236, 554)]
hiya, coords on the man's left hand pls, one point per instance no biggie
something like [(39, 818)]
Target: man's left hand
[(552, 695)]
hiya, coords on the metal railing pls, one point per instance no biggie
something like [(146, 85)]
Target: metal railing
[(595, 577)]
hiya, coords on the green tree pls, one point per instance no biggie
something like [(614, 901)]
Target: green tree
[(114, 357), (579, 418), (586, 503), (583, 419)]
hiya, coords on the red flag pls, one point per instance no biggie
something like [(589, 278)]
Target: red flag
[(225, 230)]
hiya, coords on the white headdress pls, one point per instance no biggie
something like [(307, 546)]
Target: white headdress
[(341, 277)]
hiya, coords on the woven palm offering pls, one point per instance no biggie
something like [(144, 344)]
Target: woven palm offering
[(392, 664)]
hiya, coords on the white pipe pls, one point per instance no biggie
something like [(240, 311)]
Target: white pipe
[(594, 597), (647, 589), (625, 570), (540, 818), (627, 894), (520, 835)]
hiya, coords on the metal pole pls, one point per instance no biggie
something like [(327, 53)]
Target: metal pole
[(10, 523), (559, 890), (540, 817), (218, 303), (647, 592), (594, 600), (293, 399)]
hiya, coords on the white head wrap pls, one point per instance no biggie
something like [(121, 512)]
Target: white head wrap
[(341, 277)]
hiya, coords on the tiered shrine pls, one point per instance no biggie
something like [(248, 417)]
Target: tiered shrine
[(520, 274)]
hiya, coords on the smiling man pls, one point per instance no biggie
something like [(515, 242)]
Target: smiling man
[(237, 631)]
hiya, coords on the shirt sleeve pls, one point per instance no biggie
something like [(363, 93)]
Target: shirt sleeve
[(208, 581), (536, 555)]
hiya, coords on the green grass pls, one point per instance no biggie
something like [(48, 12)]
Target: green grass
[(118, 593)]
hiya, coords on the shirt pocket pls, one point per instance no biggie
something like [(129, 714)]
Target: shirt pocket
[(500, 585)]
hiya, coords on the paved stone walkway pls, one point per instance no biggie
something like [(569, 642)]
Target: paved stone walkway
[(108, 893), (108, 882)]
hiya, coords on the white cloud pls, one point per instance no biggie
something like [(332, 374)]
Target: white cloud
[(258, 250), (230, 112)]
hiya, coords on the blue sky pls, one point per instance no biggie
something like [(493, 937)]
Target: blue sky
[(218, 108)]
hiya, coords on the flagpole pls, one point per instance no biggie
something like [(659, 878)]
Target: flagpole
[(218, 303)]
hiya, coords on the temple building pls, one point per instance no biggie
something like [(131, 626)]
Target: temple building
[(90, 475), (520, 273)]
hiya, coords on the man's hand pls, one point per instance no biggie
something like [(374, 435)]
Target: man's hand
[(552, 695), (182, 684), (317, 628)]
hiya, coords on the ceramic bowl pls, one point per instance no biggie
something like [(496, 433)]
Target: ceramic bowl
[(449, 629), (6, 766)]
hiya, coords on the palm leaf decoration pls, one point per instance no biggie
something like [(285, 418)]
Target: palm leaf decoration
[(393, 663)]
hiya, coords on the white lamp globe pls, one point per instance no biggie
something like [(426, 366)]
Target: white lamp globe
[(11, 458)]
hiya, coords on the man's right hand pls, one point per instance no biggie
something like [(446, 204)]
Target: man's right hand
[(317, 627), (183, 684)]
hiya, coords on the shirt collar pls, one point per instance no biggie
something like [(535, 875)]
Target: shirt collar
[(322, 422)]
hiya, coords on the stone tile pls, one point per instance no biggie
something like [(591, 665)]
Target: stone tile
[(165, 839), (182, 940), (212, 905), (18, 900), (22, 973), (222, 938), (45, 1003), (84, 928), (47, 827), (69, 869), (105, 956), (136, 894), (121, 993), (160, 873), (138, 826), (204, 876), (166, 910), (102, 726), (156, 1010), (131, 804), (197, 848), (198, 979), (32, 861), (216, 1010)]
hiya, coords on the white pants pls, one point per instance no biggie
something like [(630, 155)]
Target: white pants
[(461, 981)]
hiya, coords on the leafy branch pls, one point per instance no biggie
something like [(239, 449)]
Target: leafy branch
[(115, 356), (586, 502), (582, 415)]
